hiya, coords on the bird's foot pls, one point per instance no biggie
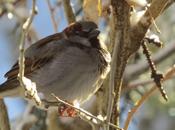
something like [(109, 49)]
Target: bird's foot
[(67, 111)]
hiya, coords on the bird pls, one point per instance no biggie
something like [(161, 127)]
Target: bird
[(72, 64)]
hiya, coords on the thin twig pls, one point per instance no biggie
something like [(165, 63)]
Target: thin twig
[(84, 114), (136, 69), (6, 10), (157, 77), (12, 9), (110, 90), (168, 74), (153, 20), (68, 11), (52, 15), (31, 91), (139, 82), (4, 120)]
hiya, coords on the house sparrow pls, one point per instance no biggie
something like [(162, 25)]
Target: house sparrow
[(70, 64)]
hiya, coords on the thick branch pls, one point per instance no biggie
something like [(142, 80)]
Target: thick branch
[(139, 30), (4, 120), (127, 42), (68, 11), (119, 57)]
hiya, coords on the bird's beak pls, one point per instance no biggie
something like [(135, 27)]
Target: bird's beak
[(94, 33)]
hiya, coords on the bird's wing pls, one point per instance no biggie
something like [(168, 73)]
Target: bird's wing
[(36, 56)]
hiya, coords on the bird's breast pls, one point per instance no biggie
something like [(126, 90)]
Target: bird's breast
[(73, 75)]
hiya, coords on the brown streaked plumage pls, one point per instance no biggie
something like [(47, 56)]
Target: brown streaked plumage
[(70, 64)]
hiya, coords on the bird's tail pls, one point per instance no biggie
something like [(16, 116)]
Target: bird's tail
[(8, 89)]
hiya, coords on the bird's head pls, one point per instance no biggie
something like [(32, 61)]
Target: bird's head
[(83, 31)]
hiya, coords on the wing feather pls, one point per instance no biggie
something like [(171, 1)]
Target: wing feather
[(37, 55)]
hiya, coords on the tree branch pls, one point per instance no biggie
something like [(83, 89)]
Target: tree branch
[(4, 120), (119, 56), (30, 87), (68, 11), (127, 42), (139, 30), (4, 11), (142, 66), (137, 83), (51, 9), (78, 111), (169, 73)]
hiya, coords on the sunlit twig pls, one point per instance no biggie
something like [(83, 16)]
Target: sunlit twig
[(28, 85), (168, 74)]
